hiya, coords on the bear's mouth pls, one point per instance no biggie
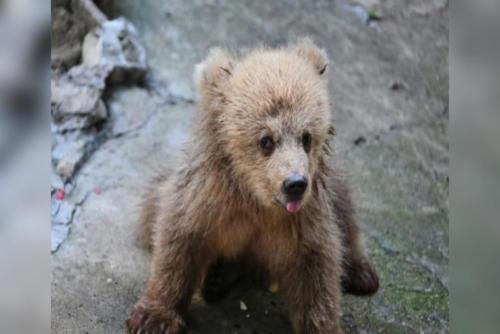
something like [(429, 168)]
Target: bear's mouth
[(292, 206)]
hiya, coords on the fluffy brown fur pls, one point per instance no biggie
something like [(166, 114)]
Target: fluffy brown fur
[(226, 199)]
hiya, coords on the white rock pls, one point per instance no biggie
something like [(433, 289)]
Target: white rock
[(116, 44)]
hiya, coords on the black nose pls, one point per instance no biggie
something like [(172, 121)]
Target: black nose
[(295, 186)]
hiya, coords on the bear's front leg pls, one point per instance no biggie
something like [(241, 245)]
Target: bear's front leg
[(179, 258), (312, 288)]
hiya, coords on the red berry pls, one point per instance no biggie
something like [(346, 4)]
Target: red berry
[(98, 190), (60, 194)]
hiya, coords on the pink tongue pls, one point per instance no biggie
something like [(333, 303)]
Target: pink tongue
[(293, 206)]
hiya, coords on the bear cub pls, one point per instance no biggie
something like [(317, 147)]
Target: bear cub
[(255, 184)]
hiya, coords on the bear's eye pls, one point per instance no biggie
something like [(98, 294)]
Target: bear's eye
[(267, 145), (306, 141)]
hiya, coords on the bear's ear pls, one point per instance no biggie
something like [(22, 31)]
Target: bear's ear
[(306, 49), (212, 75)]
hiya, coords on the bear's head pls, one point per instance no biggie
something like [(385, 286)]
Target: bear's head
[(269, 113)]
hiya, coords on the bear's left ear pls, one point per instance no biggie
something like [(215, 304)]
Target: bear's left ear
[(306, 49), (212, 75)]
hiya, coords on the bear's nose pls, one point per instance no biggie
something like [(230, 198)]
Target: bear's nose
[(295, 186)]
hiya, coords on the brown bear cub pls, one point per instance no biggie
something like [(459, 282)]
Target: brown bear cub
[(256, 183)]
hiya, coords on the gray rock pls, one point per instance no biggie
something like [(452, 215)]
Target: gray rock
[(70, 150), (116, 44), (76, 99), (67, 34), (89, 12), (60, 3), (71, 21), (67, 156), (93, 76)]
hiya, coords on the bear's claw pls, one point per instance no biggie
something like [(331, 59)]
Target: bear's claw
[(146, 321)]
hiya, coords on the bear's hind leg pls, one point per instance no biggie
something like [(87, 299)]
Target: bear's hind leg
[(359, 276)]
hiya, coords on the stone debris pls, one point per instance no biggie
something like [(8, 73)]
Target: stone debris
[(243, 306), (69, 151), (109, 51), (89, 12), (66, 38), (116, 45), (93, 76), (77, 107), (71, 20), (75, 103)]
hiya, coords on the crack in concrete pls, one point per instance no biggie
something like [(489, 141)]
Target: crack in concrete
[(61, 229), (135, 129)]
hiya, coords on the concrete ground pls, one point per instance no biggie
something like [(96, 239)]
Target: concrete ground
[(389, 87)]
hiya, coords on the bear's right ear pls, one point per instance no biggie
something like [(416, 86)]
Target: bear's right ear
[(212, 75), (316, 56)]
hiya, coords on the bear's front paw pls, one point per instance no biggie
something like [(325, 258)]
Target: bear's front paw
[(360, 279), (146, 320)]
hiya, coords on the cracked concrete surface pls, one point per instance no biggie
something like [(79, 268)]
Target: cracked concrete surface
[(389, 86)]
